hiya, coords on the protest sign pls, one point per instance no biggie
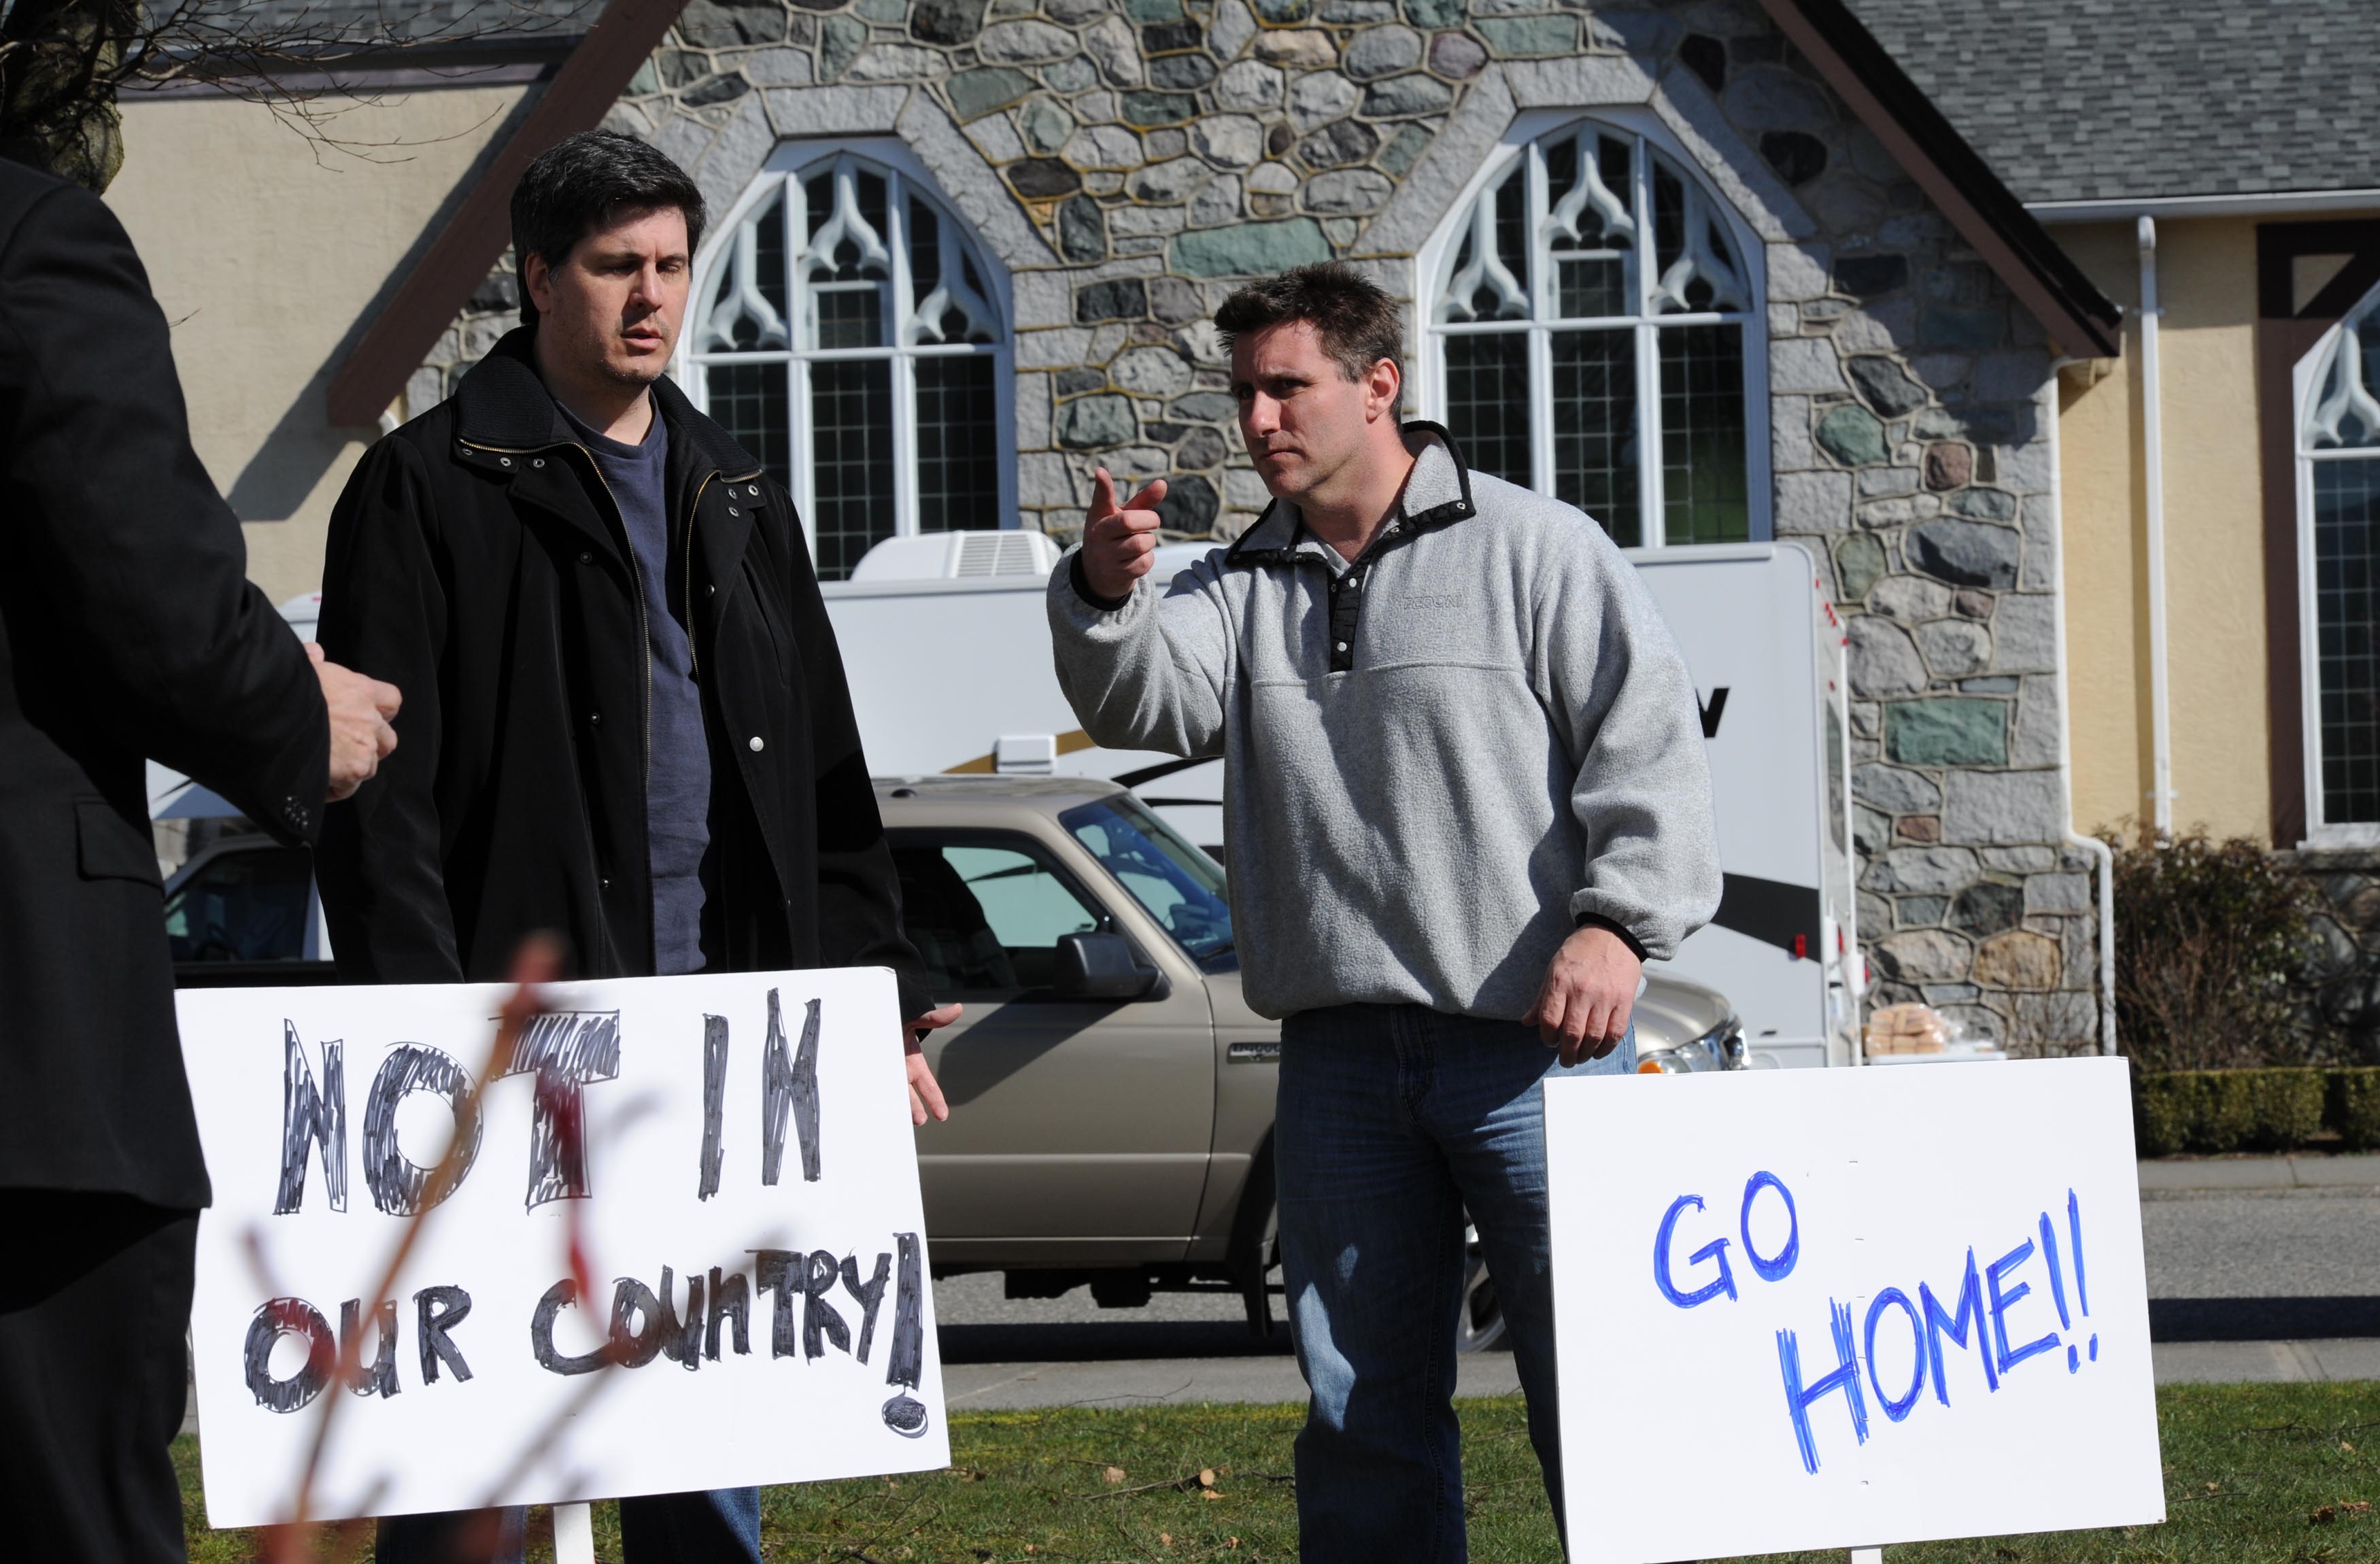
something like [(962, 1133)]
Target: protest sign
[(731, 1153), (1827, 1309)]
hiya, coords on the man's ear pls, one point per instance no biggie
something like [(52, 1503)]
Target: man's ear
[(1381, 389), (538, 278)]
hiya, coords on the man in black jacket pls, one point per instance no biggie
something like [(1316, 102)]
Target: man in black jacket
[(630, 726), (128, 629)]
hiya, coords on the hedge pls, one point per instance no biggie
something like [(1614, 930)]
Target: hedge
[(2211, 1110)]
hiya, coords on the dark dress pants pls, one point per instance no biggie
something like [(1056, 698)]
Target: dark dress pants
[(94, 1304)]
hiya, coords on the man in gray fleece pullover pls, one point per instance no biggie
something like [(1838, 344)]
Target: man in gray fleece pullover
[(1466, 798)]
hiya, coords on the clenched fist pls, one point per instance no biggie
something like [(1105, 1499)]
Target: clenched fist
[(362, 711), (1118, 541)]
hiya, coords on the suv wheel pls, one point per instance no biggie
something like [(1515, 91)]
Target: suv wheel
[(1480, 1326)]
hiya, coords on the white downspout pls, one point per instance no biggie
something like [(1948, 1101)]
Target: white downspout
[(2048, 404), (2152, 496)]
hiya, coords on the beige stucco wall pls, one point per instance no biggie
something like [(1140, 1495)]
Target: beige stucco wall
[(2214, 523), (265, 250)]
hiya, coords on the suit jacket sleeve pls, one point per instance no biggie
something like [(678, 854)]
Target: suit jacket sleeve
[(384, 613), (183, 660), (859, 893)]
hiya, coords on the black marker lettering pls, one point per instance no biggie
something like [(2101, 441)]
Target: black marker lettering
[(714, 1101), (819, 1317), (288, 1316), (313, 1116), (633, 1299), (904, 1414), (558, 1297), (682, 1342), (399, 1184), (436, 1310), (731, 1300), (778, 1271), (379, 1376), (869, 1293), (565, 1050), (789, 1086)]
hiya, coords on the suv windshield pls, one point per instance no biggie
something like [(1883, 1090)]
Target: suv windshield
[(1182, 886)]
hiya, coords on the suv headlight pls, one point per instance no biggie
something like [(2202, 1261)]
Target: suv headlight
[(1721, 1048)]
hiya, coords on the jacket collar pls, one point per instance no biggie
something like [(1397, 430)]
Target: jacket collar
[(502, 405), (1437, 493)]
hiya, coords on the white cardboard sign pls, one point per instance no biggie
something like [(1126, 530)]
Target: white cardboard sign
[(737, 1154), (1845, 1308)]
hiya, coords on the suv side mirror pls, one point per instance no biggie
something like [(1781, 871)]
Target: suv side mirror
[(1101, 966)]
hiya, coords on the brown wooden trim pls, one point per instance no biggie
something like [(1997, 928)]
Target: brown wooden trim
[(2010, 241), (426, 303), (2284, 336), (2279, 345)]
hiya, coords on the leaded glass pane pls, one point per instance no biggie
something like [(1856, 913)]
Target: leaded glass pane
[(2346, 605), (1589, 233), (849, 316), (748, 402), (1596, 465), (1705, 495), (851, 460), (958, 456), (1488, 402)]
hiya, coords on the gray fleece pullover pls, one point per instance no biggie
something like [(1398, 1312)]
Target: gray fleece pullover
[(1439, 761)]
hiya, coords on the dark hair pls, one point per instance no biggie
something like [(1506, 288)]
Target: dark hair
[(1358, 323), (581, 183)]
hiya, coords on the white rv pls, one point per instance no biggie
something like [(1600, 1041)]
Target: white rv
[(947, 649)]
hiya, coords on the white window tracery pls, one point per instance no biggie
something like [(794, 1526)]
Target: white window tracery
[(2338, 554), (1591, 329), (847, 333)]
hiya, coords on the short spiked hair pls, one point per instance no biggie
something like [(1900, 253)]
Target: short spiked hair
[(1358, 323)]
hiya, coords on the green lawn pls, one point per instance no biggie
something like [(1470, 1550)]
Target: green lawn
[(2254, 1475)]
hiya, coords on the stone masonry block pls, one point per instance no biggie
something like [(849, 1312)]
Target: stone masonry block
[(1998, 807)]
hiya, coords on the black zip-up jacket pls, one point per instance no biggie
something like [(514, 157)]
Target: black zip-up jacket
[(128, 628), (478, 562)]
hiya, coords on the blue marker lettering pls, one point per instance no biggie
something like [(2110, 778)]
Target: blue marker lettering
[(1845, 1377), (2056, 1281), (1715, 1250), (1781, 1267), (1895, 1297), (2075, 1231), (2002, 1303), (1970, 1307)]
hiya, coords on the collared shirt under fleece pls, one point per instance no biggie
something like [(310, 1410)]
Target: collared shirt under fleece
[(1439, 759)]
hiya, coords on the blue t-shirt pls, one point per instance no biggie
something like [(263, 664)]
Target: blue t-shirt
[(677, 776)]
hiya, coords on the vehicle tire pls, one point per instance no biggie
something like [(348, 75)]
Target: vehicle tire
[(1480, 1326)]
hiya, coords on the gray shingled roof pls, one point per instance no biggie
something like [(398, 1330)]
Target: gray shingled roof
[(2099, 100), (377, 20)]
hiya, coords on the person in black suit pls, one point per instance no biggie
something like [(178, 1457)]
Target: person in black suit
[(128, 630)]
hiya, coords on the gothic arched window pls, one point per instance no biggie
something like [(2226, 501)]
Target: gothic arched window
[(2339, 545), (1592, 329), (849, 331)]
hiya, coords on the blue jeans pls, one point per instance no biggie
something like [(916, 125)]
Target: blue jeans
[(1393, 1121), (719, 1527)]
